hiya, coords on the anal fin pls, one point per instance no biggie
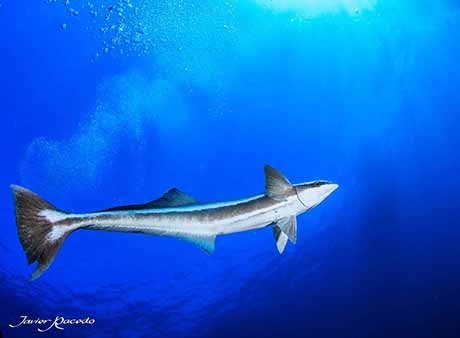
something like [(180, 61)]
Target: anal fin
[(205, 242)]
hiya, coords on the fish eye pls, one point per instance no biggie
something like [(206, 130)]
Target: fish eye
[(318, 184)]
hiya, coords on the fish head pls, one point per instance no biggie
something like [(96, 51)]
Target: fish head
[(310, 194)]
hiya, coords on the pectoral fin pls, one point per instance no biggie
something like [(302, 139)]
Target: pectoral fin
[(280, 238), (288, 225)]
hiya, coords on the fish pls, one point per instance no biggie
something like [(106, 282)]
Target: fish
[(42, 228)]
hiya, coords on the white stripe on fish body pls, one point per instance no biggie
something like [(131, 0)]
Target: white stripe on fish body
[(260, 218), (163, 221), (187, 208), (125, 220)]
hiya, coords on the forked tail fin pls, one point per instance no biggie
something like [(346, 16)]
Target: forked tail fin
[(40, 228)]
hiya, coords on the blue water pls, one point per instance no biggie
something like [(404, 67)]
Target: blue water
[(200, 95)]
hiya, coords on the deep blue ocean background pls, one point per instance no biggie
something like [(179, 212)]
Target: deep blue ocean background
[(106, 106)]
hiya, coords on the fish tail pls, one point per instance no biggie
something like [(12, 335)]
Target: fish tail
[(40, 228)]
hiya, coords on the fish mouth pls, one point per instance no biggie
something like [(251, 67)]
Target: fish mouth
[(333, 187), (330, 189)]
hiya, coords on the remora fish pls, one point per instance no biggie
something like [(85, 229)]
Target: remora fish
[(43, 228)]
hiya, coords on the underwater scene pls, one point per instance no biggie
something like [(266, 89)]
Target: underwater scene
[(106, 103)]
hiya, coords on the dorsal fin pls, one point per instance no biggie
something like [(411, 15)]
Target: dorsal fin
[(172, 198), (276, 185)]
